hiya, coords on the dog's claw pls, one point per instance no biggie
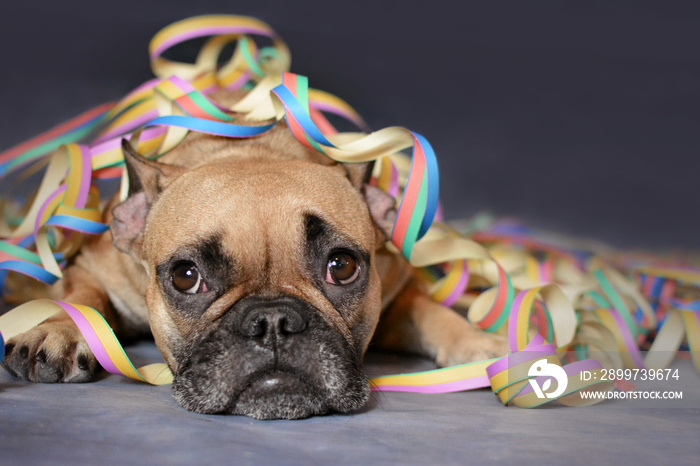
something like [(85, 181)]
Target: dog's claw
[(83, 362), (50, 353)]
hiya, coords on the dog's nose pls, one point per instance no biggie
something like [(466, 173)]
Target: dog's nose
[(272, 321)]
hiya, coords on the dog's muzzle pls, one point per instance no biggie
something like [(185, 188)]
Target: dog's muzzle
[(271, 358)]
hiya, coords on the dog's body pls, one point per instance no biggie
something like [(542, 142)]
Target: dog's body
[(259, 267)]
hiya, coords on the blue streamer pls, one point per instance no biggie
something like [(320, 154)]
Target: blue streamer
[(210, 127)]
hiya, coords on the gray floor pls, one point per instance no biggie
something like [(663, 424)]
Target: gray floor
[(115, 420)]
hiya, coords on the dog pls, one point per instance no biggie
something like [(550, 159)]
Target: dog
[(260, 269)]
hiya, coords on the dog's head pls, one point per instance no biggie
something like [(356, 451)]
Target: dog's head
[(263, 292)]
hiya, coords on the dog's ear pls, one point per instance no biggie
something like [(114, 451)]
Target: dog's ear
[(359, 173), (147, 176), (382, 207), (147, 179)]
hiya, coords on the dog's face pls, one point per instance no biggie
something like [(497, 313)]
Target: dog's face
[(263, 292)]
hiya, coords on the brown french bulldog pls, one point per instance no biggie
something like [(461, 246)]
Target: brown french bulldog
[(259, 267)]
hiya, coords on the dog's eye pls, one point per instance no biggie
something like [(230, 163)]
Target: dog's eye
[(342, 269), (187, 279)]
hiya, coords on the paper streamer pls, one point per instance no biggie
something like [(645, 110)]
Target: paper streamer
[(97, 333)]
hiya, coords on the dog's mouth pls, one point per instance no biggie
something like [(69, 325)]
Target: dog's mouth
[(268, 375), (279, 395), (273, 383)]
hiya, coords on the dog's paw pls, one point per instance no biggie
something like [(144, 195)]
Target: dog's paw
[(50, 352), (477, 346)]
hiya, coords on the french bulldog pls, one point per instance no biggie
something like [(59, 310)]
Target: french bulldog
[(260, 269)]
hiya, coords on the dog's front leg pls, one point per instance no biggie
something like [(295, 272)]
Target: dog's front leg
[(415, 323), (56, 351)]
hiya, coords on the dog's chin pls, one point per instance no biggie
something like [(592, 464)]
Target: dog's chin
[(279, 395), (273, 395)]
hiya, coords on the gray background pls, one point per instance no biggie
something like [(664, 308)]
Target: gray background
[(579, 117)]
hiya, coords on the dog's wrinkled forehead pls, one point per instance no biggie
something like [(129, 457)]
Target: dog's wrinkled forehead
[(260, 204)]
